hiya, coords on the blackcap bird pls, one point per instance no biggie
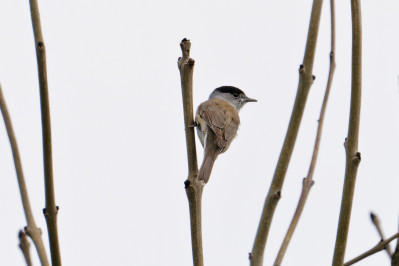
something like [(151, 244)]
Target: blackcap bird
[(217, 123)]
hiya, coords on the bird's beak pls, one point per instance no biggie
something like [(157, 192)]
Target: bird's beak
[(247, 100)]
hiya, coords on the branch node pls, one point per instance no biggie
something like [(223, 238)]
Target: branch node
[(277, 195), (250, 255), (187, 183), (313, 77), (301, 68), (358, 157), (307, 182)]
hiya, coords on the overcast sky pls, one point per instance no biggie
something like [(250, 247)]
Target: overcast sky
[(118, 131)]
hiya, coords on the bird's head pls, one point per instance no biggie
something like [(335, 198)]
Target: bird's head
[(232, 95)]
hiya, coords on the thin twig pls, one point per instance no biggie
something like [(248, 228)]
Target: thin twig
[(351, 144), (308, 181), (24, 246), (193, 187), (274, 194), (376, 222), (31, 230), (395, 256), (51, 210), (380, 246)]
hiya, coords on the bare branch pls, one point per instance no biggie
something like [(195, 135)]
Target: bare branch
[(380, 246), (376, 222), (395, 256), (193, 187), (31, 230), (351, 144), (308, 181), (51, 210), (305, 82), (24, 246)]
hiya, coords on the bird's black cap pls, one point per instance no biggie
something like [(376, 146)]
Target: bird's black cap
[(229, 89)]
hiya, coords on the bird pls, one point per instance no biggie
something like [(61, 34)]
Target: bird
[(217, 122)]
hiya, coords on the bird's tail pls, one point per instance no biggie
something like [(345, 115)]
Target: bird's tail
[(210, 155)]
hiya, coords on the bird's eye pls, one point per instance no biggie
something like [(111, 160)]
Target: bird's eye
[(235, 95)]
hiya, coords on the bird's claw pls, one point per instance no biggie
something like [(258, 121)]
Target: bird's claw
[(193, 125)]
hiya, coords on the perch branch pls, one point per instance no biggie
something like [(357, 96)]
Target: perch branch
[(380, 246), (376, 222), (308, 181), (51, 210), (31, 229), (274, 194), (351, 144), (193, 187)]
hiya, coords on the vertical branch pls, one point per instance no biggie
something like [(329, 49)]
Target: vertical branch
[(395, 256), (351, 143), (193, 187), (308, 182), (51, 210), (31, 229), (274, 194)]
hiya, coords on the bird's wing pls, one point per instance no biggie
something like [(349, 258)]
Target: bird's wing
[(222, 119)]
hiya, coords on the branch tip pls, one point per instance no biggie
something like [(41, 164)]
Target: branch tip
[(185, 45), (21, 234)]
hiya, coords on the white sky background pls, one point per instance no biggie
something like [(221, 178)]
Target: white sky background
[(118, 134)]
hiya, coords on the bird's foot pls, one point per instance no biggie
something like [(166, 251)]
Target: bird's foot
[(193, 125)]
